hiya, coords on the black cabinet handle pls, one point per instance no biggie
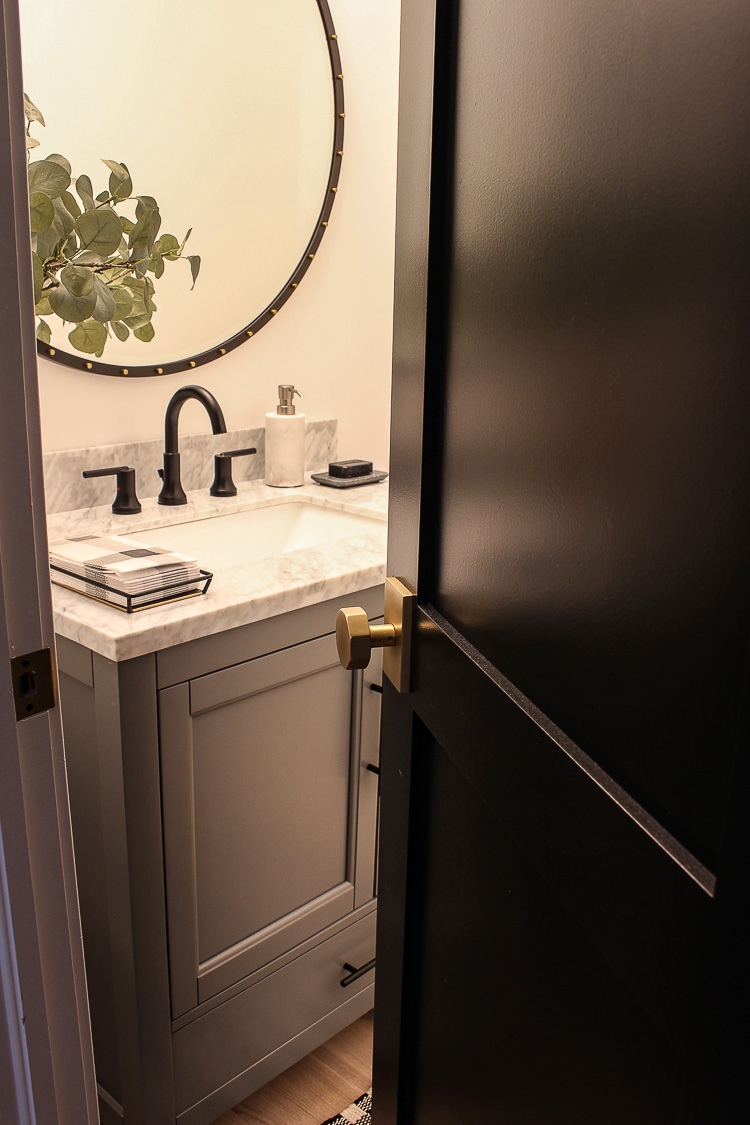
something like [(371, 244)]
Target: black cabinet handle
[(376, 687), (126, 502), (223, 484), (355, 974), (373, 769)]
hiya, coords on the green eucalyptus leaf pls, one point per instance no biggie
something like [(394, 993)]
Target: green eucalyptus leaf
[(149, 289), (147, 225), (126, 224), (69, 307), (123, 302), (43, 332), (195, 265), (85, 192), (99, 231), (38, 272), (106, 307), (32, 113), (121, 331), (120, 183), (88, 258), (137, 320), (145, 204), (31, 142), (64, 222), (61, 160), (103, 197), (117, 170), (46, 243), (89, 337), (136, 285), (78, 280), (156, 265), (43, 307), (49, 177), (142, 308), (41, 211), (168, 246), (70, 204), (146, 333)]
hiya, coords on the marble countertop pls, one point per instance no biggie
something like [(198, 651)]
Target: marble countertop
[(238, 594)]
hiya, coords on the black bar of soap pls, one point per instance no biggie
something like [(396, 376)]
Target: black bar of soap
[(349, 468)]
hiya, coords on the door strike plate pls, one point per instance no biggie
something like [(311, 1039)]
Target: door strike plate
[(33, 683)]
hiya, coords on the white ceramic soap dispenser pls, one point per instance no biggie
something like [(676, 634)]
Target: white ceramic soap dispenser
[(285, 442)]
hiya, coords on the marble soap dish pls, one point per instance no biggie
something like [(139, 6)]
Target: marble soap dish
[(349, 474)]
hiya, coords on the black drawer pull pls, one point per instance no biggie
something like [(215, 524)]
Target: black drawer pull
[(376, 687), (355, 974), (373, 769)]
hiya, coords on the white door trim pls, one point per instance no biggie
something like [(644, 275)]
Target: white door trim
[(46, 1060)]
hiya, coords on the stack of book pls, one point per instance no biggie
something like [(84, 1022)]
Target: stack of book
[(124, 572)]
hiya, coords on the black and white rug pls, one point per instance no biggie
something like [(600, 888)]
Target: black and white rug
[(358, 1113)]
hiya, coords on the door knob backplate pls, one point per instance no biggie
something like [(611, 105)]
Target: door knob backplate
[(356, 637)]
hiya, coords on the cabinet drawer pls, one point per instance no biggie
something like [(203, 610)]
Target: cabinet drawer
[(228, 1040)]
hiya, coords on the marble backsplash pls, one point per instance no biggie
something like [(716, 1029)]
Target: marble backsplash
[(66, 490)]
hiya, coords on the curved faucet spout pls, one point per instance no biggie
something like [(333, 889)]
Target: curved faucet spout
[(172, 491), (215, 413)]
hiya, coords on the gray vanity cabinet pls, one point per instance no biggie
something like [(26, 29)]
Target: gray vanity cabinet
[(259, 757), (225, 825)]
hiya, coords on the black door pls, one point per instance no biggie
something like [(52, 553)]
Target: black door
[(564, 799)]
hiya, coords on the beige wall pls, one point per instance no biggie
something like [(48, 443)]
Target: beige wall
[(333, 338)]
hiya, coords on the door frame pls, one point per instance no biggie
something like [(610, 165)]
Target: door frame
[(415, 211), (46, 1057)]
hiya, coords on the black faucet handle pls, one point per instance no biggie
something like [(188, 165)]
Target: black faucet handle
[(223, 484), (126, 502)]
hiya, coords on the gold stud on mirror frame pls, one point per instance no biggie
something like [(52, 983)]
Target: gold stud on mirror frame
[(340, 76), (159, 370), (324, 224), (334, 36), (340, 152), (191, 363), (342, 115), (274, 311), (124, 371), (311, 255), (248, 333), (89, 366), (222, 351), (294, 285), (51, 351)]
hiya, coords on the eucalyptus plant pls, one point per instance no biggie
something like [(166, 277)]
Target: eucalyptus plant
[(92, 263)]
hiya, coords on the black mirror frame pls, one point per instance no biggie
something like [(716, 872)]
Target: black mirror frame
[(81, 363)]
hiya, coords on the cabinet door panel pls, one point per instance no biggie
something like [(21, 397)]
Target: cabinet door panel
[(271, 783), (260, 797)]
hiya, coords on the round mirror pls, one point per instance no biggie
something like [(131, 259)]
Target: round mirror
[(231, 117)]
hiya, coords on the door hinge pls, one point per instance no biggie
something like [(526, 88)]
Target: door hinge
[(33, 683)]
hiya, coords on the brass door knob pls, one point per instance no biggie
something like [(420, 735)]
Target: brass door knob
[(356, 637)]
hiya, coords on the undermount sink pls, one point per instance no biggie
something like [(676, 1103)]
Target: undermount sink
[(242, 537)]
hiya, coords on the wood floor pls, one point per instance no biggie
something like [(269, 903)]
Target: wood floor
[(317, 1087)]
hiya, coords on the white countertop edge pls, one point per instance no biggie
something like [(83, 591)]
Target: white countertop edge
[(243, 594)]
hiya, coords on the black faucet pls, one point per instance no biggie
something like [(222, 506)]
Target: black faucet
[(172, 491)]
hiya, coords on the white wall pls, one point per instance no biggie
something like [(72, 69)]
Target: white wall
[(333, 338)]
